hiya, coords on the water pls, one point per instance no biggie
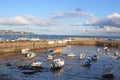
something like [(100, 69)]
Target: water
[(55, 36), (73, 70)]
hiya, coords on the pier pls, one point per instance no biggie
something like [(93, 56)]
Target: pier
[(16, 46)]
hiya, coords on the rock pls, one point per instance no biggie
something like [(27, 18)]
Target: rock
[(108, 76)]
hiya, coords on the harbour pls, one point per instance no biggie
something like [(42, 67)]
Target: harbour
[(73, 69)]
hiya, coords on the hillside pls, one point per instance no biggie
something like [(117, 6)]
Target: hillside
[(14, 32)]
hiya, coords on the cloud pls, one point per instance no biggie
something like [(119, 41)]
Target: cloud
[(27, 20), (71, 14), (111, 20), (76, 24)]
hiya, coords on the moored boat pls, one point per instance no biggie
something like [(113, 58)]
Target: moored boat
[(25, 51), (57, 63), (106, 50), (99, 51), (30, 55), (50, 57), (37, 64), (94, 57), (71, 55), (86, 62), (82, 56)]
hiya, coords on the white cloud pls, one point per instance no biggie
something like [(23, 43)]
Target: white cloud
[(71, 14), (111, 20), (28, 20), (76, 24)]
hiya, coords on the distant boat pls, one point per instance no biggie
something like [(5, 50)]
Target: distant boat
[(57, 63), (94, 57), (51, 52), (106, 50), (25, 51), (37, 64), (30, 55), (99, 51), (87, 62), (71, 55), (117, 55), (82, 56), (58, 51), (50, 57)]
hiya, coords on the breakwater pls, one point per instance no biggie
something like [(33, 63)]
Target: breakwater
[(16, 46), (95, 42)]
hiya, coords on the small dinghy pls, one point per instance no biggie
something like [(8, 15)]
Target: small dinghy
[(25, 51), (50, 57), (99, 51), (37, 64), (87, 62), (82, 56), (58, 51), (51, 52), (30, 55), (57, 63), (106, 50), (117, 55), (94, 57), (71, 55)]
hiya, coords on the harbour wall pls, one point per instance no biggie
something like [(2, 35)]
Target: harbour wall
[(16, 46), (95, 42)]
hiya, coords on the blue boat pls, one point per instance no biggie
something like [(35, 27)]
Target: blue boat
[(51, 52)]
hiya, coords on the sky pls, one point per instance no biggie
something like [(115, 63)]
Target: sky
[(61, 17)]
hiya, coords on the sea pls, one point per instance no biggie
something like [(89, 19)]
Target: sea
[(8, 36)]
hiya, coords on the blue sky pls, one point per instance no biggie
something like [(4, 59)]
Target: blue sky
[(62, 17)]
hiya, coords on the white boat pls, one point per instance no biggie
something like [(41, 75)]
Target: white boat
[(99, 51), (82, 56), (57, 63), (117, 55), (106, 49), (25, 51), (71, 55), (50, 57), (30, 55), (36, 64)]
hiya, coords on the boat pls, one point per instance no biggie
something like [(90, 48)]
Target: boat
[(58, 51), (37, 64), (106, 50), (71, 55), (117, 55), (82, 56), (50, 57), (30, 55), (86, 62), (94, 57), (25, 51), (57, 63), (99, 51), (51, 52)]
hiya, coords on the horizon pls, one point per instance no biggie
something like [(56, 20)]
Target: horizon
[(60, 17)]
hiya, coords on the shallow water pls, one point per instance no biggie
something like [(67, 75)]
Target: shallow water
[(15, 67)]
